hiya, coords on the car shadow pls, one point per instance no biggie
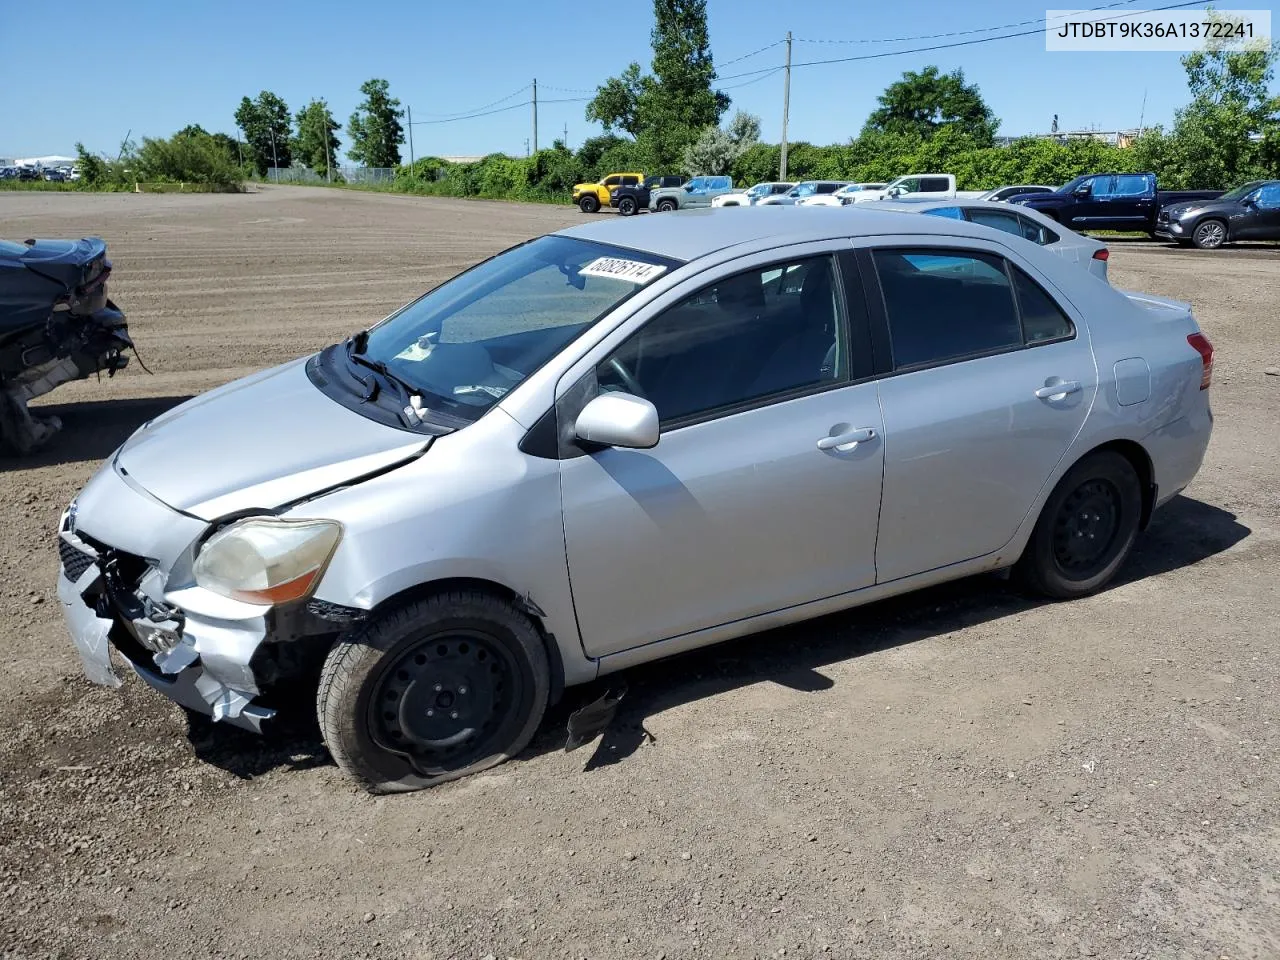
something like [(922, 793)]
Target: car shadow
[(91, 430), (1182, 533)]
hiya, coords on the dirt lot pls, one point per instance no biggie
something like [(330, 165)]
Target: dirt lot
[(961, 773)]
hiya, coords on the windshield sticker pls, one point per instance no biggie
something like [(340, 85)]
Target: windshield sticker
[(615, 268)]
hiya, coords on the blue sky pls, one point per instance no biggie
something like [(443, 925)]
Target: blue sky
[(153, 66)]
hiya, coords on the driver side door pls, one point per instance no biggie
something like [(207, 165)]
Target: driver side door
[(747, 504)]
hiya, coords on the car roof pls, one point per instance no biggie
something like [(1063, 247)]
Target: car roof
[(690, 234)]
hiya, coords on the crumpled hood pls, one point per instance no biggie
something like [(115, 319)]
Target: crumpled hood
[(257, 443)]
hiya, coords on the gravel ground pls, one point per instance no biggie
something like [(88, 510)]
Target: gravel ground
[(959, 773)]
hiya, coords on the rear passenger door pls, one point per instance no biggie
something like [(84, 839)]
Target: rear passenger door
[(987, 380)]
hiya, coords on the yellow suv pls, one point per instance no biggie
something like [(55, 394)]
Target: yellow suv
[(592, 196)]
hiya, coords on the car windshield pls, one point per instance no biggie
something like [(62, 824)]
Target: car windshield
[(1242, 191), (468, 342), (1072, 184)]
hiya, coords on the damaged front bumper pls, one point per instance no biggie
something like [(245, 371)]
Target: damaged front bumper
[(204, 664)]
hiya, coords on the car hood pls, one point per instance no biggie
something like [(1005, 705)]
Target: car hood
[(257, 443)]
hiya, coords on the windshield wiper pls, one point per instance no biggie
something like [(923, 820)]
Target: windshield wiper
[(410, 411)]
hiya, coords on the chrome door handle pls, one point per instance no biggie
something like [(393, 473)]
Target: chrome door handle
[(847, 441), (1060, 389)]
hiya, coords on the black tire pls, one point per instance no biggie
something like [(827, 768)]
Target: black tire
[(589, 203), (385, 690), (1086, 530), (627, 206), (1209, 234), (666, 206)]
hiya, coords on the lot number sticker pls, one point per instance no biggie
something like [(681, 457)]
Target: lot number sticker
[(616, 268)]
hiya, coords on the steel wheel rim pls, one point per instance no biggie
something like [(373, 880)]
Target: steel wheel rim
[(1210, 234), (1086, 530), (446, 701)]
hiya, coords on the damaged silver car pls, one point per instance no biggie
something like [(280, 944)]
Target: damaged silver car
[(617, 443), (56, 325)]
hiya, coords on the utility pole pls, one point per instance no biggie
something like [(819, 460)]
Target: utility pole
[(1142, 114), (786, 110), (275, 166), (410, 109), (535, 114), (565, 141)]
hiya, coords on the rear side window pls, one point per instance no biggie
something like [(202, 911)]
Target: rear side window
[(1042, 318), (935, 185), (630, 181), (828, 187), (946, 305), (1130, 186)]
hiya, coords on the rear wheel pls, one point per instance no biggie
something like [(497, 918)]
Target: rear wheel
[(589, 203), (438, 689), (1210, 234), (627, 206), (1086, 530), (666, 206)]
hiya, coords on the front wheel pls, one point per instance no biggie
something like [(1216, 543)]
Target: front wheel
[(627, 206), (590, 203), (435, 690), (666, 206), (1086, 530), (1210, 235)]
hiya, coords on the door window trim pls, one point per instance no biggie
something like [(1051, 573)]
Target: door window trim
[(878, 312)]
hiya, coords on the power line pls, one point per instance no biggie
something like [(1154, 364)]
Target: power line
[(472, 116), (963, 33), (546, 86), (770, 46), (748, 83), (486, 106), (968, 43)]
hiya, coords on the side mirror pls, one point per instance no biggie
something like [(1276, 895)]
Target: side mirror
[(1082, 191), (619, 420)]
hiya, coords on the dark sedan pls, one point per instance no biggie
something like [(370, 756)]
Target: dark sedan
[(1249, 212)]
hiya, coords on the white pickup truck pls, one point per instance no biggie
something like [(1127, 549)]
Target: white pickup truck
[(917, 186)]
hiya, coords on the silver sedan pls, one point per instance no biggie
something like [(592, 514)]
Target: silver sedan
[(1020, 221), (619, 442)]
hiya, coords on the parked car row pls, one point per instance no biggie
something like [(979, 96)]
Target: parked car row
[(27, 173), (1093, 201)]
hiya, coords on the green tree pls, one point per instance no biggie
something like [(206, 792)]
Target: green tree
[(716, 150), (922, 103), (666, 111), (94, 171), (1230, 131), (265, 122), (316, 143), (375, 129)]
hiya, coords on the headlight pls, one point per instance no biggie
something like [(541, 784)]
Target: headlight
[(267, 561)]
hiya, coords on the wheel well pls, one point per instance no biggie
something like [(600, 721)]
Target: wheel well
[(422, 590), (1141, 462)]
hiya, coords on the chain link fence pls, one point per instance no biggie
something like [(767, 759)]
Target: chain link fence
[(300, 174)]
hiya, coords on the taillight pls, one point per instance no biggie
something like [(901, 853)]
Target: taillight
[(1203, 347), (1103, 254)]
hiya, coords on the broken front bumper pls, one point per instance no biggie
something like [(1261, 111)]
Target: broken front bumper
[(117, 548)]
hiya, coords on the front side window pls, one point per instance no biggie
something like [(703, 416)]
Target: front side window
[(951, 213), (1104, 186), (769, 331), (997, 219), (1269, 197), (945, 305), (468, 342), (911, 185)]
